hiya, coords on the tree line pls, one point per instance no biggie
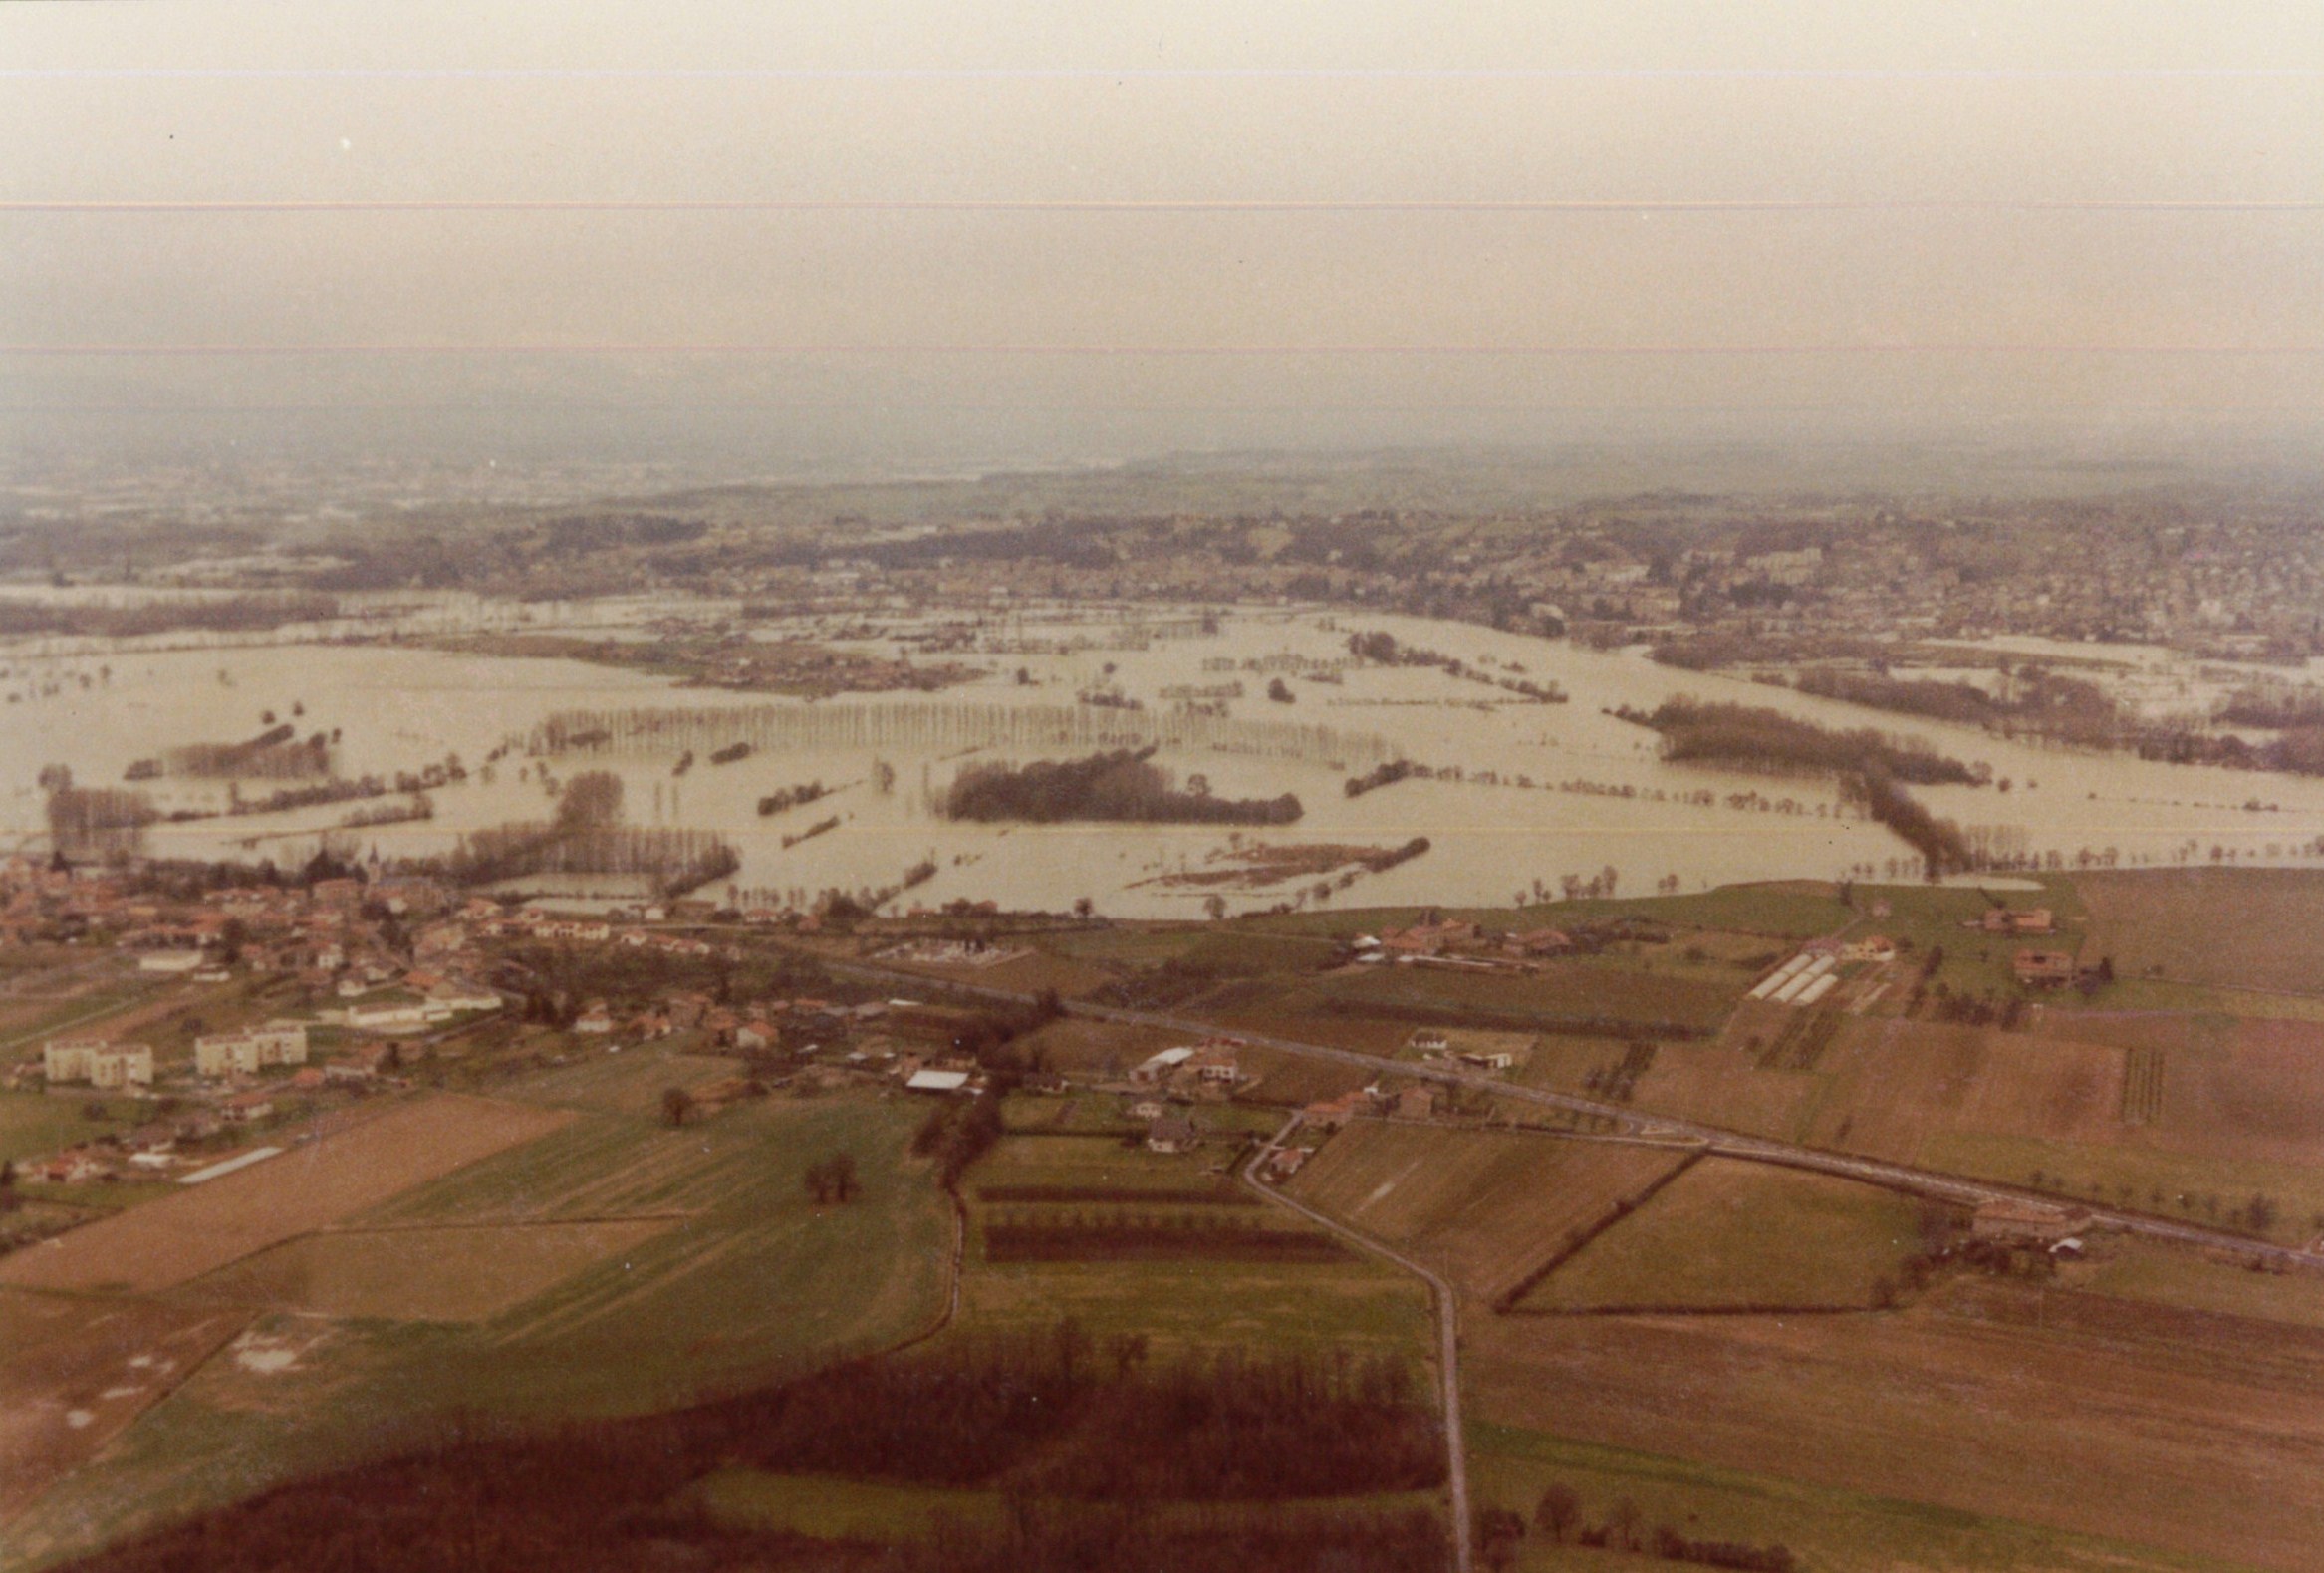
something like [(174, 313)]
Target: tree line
[(938, 728), (1870, 765), (1754, 738), (97, 822), (1082, 1442), (229, 614), (1558, 1517), (271, 755)]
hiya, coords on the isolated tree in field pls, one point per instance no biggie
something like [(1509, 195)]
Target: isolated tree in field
[(832, 1179), (1070, 1345), (1622, 1522), (1559, 1509), (1497, 1532), (1083, 906), (1215, 906), (2261, 1214), (678, 1105)]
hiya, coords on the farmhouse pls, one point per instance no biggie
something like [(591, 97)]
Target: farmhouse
[(251, 1050), (245, 1107), (97, 1062), (1333, 1112), (1214, 1064), (1173, 1132), (74, 1167), (1538, 942), (2043, 969), (1872, 947), (2014, 921), (1488, 1051), (359, 1066)]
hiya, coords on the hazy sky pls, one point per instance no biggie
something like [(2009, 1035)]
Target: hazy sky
[(1054, 232)]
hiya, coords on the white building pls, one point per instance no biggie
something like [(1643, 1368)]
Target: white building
[(251, 1050), (1158, 1068), (97, 1062), (174, 962)]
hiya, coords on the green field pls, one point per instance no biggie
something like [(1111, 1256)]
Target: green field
[(82, 1012), (2204, 1190), (1796, 910), (754, 1284), (2139, 1270), (33, 1124), (1726, 1234), (1356, 1304), (1829, 1531), (2155, 994), (1565, 992)]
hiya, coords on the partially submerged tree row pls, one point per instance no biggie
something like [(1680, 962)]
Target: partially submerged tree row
[(1754, 738), (1868, 763), (946, 728)]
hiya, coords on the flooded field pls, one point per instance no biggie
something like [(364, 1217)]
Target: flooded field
[(1524, 792)]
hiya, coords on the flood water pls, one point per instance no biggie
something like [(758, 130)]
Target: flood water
[(400, 709)]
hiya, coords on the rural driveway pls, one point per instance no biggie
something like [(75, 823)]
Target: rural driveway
[(1447, 1335)]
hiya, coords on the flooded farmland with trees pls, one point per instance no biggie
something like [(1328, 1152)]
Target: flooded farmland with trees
[(1519, 759)]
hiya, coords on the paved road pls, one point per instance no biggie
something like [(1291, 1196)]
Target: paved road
[(1716, 1139), (1447, 1337)]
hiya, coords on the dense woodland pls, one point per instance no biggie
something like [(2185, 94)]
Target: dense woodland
[(1123, 784), (1084, 1443)]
